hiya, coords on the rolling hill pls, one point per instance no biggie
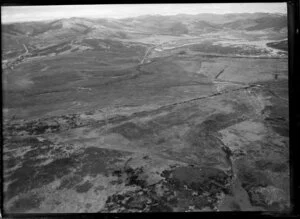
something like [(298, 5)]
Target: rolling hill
[(176, 24)]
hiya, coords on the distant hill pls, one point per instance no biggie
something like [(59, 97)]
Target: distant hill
[(50, 33), (275, 23), (156, 24)]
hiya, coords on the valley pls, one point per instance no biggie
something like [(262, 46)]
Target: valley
[(183, 113)]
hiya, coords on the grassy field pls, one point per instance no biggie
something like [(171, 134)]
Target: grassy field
[(117, 78)]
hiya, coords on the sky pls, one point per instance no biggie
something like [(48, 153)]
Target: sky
[(11, 14)]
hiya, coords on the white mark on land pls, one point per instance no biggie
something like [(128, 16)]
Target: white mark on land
[(147, 52), (45, 68), (25, 49)]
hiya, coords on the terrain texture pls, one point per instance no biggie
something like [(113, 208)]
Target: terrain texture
[(147, 114)]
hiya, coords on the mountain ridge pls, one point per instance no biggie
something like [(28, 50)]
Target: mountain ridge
[(180, 23)]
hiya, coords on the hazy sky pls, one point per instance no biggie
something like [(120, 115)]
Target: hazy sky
[(35, 13)]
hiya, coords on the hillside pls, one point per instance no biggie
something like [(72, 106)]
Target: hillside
[(35, 35), (156, 24)]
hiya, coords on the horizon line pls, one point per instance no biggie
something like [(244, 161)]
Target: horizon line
[(113, 18)]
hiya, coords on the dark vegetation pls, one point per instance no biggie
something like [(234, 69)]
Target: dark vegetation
[(179, 186), (26, 203), (32, 174)]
